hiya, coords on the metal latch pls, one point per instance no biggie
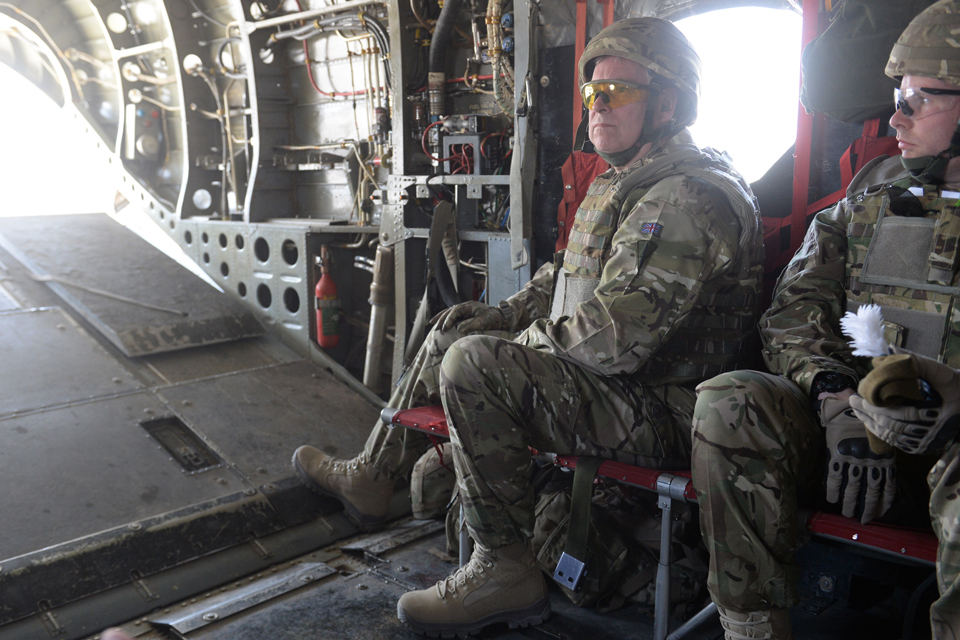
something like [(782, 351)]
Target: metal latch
[(569, 571)]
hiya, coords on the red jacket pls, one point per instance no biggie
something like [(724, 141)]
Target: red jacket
[(578, 172)]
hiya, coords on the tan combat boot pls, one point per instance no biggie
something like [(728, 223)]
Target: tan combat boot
[(498, 585), (769, 624), (364, 491)]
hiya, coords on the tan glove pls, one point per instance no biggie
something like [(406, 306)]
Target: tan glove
[(927, 426), (470, 317), (893, 381), (865, 480)]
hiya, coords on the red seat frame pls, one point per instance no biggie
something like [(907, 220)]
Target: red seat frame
[(915, 545)]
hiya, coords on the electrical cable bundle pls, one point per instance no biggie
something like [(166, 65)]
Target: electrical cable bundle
[(361, 21)]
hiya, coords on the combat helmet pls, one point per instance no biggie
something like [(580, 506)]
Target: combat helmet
[(660, 47), (929, 47)]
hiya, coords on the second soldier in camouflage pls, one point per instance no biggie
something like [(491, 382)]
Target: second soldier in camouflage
[(759, 445)]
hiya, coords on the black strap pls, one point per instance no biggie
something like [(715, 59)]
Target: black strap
[(581, 500)]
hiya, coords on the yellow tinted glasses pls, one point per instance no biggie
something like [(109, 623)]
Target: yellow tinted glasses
[(615, 93)]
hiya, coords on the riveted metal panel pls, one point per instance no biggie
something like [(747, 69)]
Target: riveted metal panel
[(140, 299), (87, 467), (257, 418), (7, 302), (49, 361)]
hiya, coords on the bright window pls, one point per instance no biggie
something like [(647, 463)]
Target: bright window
[(750, 84), (46, 166)]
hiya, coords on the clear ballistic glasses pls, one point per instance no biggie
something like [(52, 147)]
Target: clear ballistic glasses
[(615, 93), (924, 102)]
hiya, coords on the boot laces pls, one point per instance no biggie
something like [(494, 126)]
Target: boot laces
[(757, 625), (338, 464), (472, 571)]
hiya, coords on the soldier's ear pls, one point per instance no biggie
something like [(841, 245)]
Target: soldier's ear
[(665, 107)]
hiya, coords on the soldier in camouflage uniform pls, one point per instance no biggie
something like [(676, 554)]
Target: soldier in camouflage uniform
[(656, 291), (760, 441)]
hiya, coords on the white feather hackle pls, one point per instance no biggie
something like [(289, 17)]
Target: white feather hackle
[(865, 328)]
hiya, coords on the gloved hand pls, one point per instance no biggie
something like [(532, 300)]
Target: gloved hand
[(472, 316), (862, 476), (928, 426)]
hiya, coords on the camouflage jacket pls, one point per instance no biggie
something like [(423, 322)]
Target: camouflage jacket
[(867, 250), (678, 247)]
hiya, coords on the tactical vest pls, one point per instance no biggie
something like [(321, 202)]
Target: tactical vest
[(907, 264), (714, 336)]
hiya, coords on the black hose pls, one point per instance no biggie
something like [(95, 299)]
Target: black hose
[(418, 81), (448, 292), (230, 73), (441, 35), (376, 28)]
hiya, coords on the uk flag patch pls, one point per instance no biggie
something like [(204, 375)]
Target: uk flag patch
[(653, 228)]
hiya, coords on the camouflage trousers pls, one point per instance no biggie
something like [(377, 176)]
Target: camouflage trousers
[(396, 451), (757, 447), (759, 450), (944, 482), (502, 398)]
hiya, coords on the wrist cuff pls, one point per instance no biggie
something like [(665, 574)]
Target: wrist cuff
[(830, 382), (509, 318)]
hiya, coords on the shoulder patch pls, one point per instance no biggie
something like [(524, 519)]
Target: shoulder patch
[(652, 228)]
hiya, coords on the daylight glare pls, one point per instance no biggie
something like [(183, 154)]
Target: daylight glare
[(46, 165), (750, 85)]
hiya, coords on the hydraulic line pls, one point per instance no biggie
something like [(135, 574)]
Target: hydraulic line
[(236, 72), (55, 71), (436, 67), (376, 28), (202, 14), (360, 21), (232, 173), (418, 78), (221, 117), (503, 81), (381, 299), (419, 18)]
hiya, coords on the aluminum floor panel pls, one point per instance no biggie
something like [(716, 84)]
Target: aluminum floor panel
[(94, 251), (78, 470), (257, 418), (7, 301), (49, 361), (204, 362)]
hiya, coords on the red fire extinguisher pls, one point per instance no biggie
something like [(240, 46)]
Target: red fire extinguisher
[(327, 304)]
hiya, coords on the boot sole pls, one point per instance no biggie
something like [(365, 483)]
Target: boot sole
[(365, 523), (530, 616)]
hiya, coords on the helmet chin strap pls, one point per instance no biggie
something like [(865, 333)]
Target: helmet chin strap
[(620, 158), (931, 169)]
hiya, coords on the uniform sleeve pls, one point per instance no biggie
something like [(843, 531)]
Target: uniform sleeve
[(533, 301), (801, 330), (679, 235)]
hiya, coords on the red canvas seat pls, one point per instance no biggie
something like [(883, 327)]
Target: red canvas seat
[(914, 545)]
